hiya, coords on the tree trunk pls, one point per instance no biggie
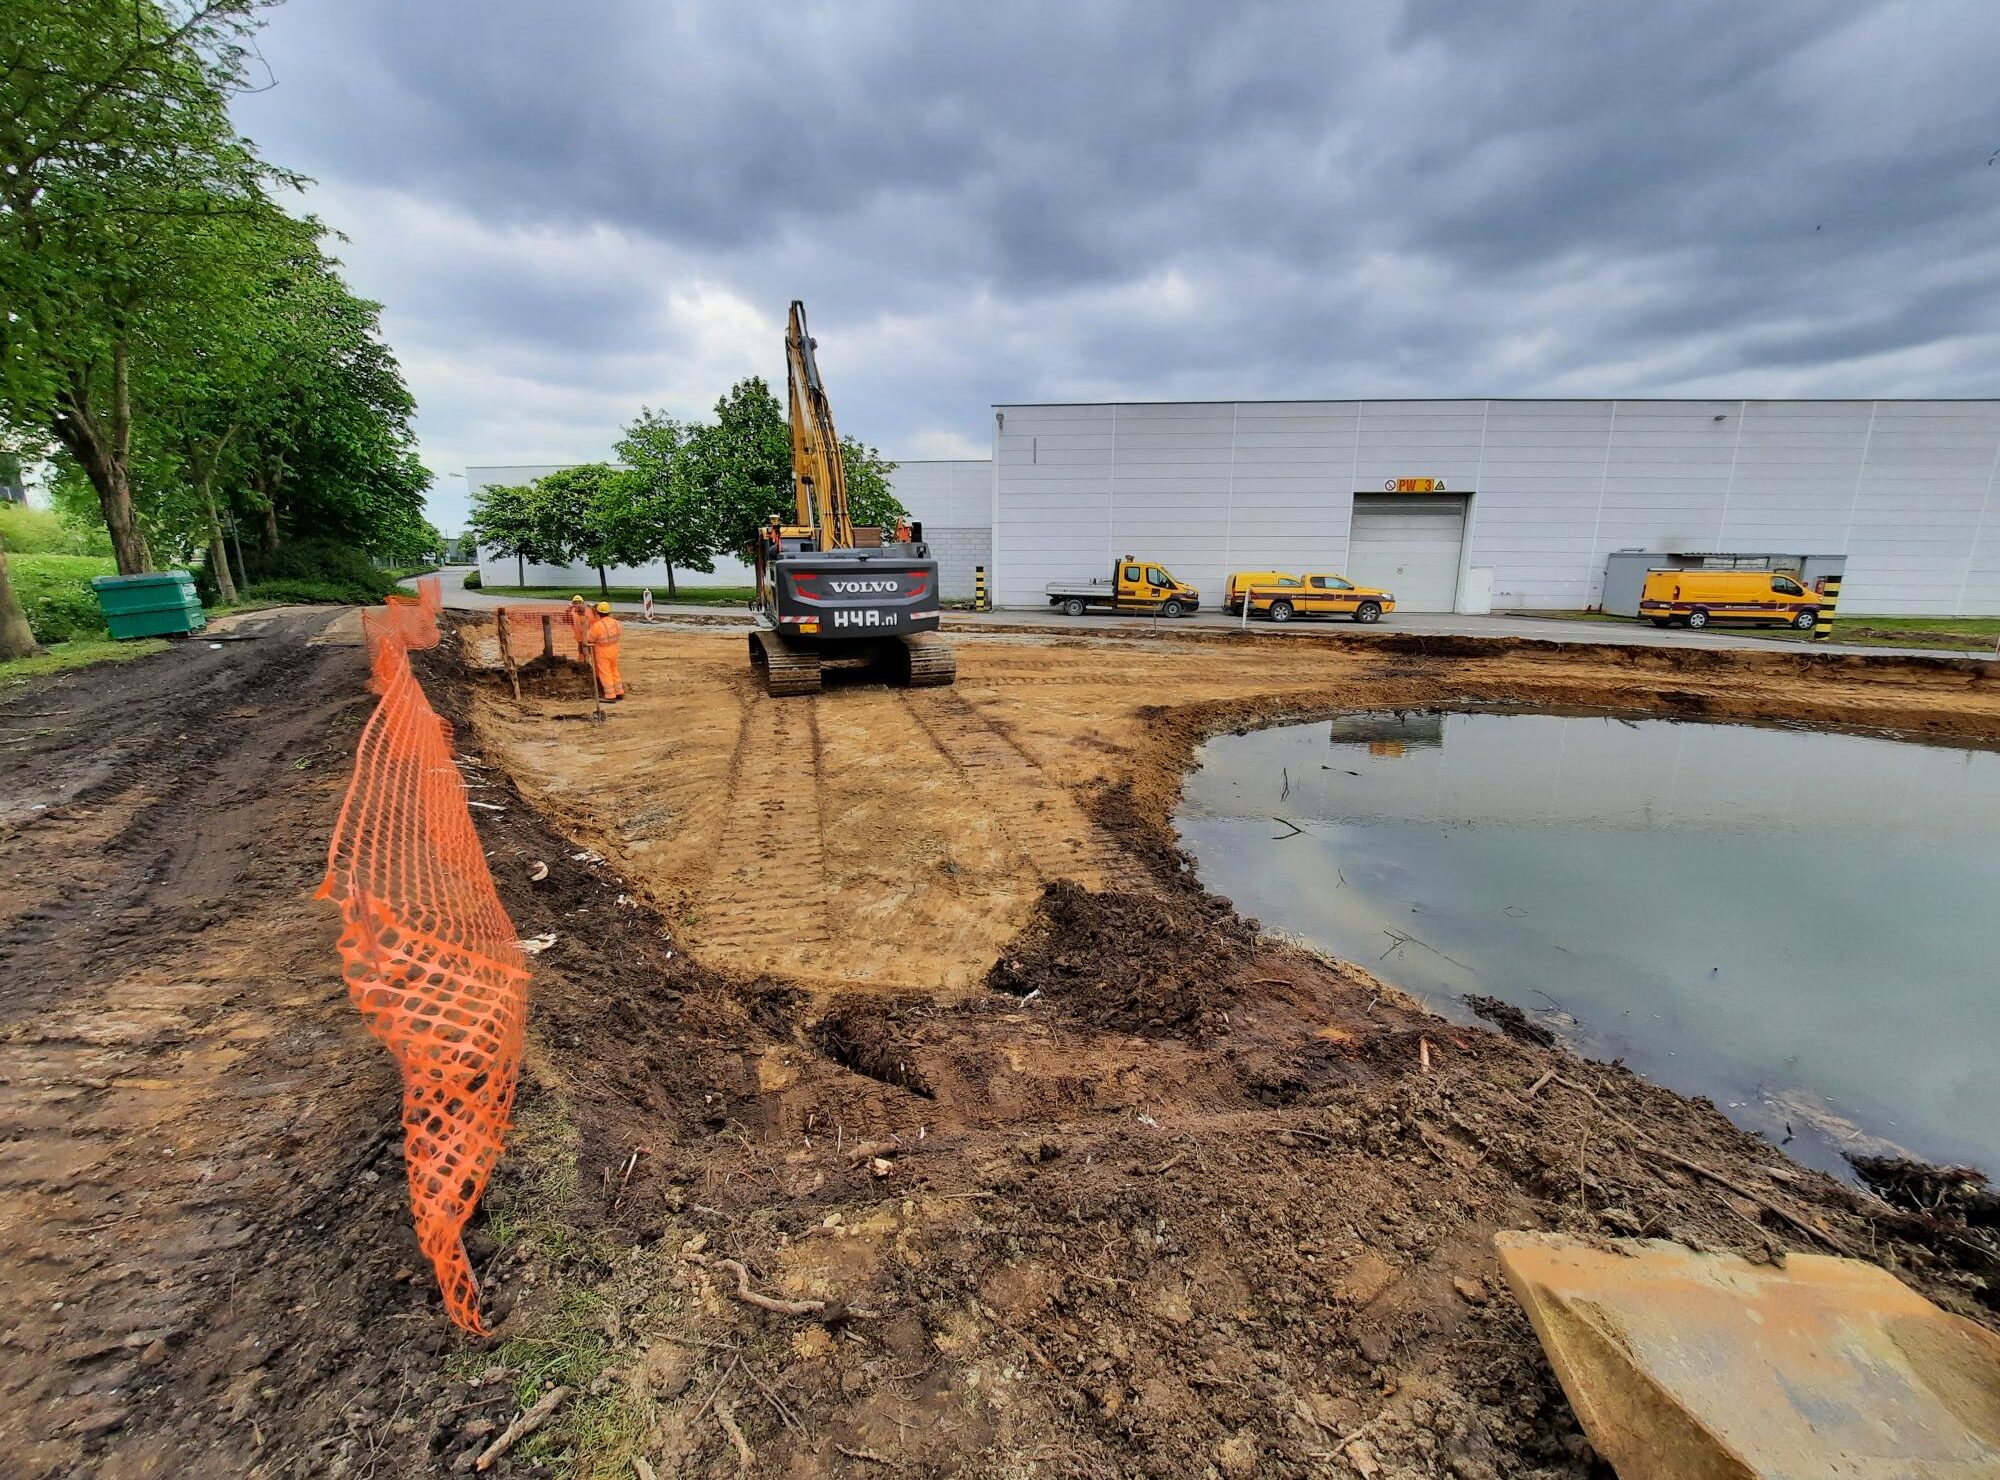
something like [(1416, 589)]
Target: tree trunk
[(78, 430), (271, 524), (670, 580), (520, 569), (16, 640), (218, 553), (603, 584)]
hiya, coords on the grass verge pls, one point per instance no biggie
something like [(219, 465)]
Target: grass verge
[(1969, 634), (566, 1340), (59, 657), (686, 596)]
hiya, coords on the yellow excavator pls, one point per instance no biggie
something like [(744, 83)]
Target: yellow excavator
[(831, 594)]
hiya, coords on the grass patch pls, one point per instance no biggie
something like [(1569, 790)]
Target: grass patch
[(567, 1342), (1856, 629), (1964, 634), (25, 531), (301, 593), (82, 653), (54, 592), (686, 596)]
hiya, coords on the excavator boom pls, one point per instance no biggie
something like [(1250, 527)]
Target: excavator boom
[(819, 480), (826, 596)]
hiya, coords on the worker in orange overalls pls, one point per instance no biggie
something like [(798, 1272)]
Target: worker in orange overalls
[(579, 626), (603, 639)]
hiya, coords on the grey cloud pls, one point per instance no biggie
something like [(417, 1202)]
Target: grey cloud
[(1438, 197)]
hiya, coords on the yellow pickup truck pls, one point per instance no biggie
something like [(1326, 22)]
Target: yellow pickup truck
[(1281, 597)]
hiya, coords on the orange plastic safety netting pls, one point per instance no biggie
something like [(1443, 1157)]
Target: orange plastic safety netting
[(542, 629), (428, 952)]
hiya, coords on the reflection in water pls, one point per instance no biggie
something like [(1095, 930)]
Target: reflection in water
[(1801, 926), (1388, 734)]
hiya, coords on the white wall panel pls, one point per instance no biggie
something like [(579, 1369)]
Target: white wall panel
[(954, 493), (1906, 489)]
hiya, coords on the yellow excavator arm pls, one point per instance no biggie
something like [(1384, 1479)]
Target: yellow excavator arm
[(819, 482)]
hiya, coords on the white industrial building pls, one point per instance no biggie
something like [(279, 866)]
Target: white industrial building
[(1467, 506), (1505, 503), (952, 499)]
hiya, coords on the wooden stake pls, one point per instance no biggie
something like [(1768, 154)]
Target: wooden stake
[(507, 650)]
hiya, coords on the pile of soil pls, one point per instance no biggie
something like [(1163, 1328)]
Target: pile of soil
[(1133, 961)]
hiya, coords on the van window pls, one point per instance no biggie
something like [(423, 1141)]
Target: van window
[(1132, 573), (1155, 576), (1786, 586), (1288, 580)]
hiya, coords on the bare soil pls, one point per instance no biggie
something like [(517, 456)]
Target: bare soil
[(1126, 1187), (906, 1002)]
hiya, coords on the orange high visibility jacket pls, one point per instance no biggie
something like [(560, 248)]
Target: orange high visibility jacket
[(603, 632)]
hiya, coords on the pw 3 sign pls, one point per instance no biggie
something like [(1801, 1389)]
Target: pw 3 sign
[(1414, 485)]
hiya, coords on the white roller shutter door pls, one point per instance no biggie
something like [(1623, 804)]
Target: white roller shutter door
[(1409, 545)]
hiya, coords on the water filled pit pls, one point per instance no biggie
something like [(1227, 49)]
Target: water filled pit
[(1802, 926)]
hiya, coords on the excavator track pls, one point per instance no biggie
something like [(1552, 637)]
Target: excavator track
[(786, 670), (929, 662)]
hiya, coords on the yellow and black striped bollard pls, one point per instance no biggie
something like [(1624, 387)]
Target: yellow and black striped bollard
[(979, 603), (1829, 599)]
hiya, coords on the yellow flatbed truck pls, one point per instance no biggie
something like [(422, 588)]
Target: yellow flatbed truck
[(1140, 587)]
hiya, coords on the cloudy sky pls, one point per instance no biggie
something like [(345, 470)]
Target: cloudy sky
[(571, 210)]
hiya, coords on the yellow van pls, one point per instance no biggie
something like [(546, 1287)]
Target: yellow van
[(1323, 595), (1694, 598), (1242, 580)]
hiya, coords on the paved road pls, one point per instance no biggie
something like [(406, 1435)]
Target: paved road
[(1538, 629)]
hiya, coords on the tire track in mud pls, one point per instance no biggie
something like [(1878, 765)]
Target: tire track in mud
[(767, 889), (169, 1025), (1048, 830)]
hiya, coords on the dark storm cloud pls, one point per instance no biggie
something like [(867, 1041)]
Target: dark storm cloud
[(586, 205)]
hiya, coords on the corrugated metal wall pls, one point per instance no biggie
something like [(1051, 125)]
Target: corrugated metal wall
[(1904, 488)]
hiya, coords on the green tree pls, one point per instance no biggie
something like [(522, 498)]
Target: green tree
[(678, 528), (739, 466), (115, 149), (869, 500), (506, 519), (597, 514), (739, 470)]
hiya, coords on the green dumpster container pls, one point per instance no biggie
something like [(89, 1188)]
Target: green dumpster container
[(152, 605)]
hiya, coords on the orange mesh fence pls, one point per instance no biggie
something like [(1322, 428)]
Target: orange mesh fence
[(428, 952), (540, 629)]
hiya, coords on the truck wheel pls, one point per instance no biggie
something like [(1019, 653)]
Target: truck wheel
[(1368, 611), (1281, 611), (1170, 608), (1073, 607), (1806, 620), (1697, 619)]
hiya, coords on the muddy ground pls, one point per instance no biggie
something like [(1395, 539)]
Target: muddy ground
[(905, 1002)]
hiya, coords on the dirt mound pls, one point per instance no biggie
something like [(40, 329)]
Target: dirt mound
[(1133, 961), (1509, 1019)]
